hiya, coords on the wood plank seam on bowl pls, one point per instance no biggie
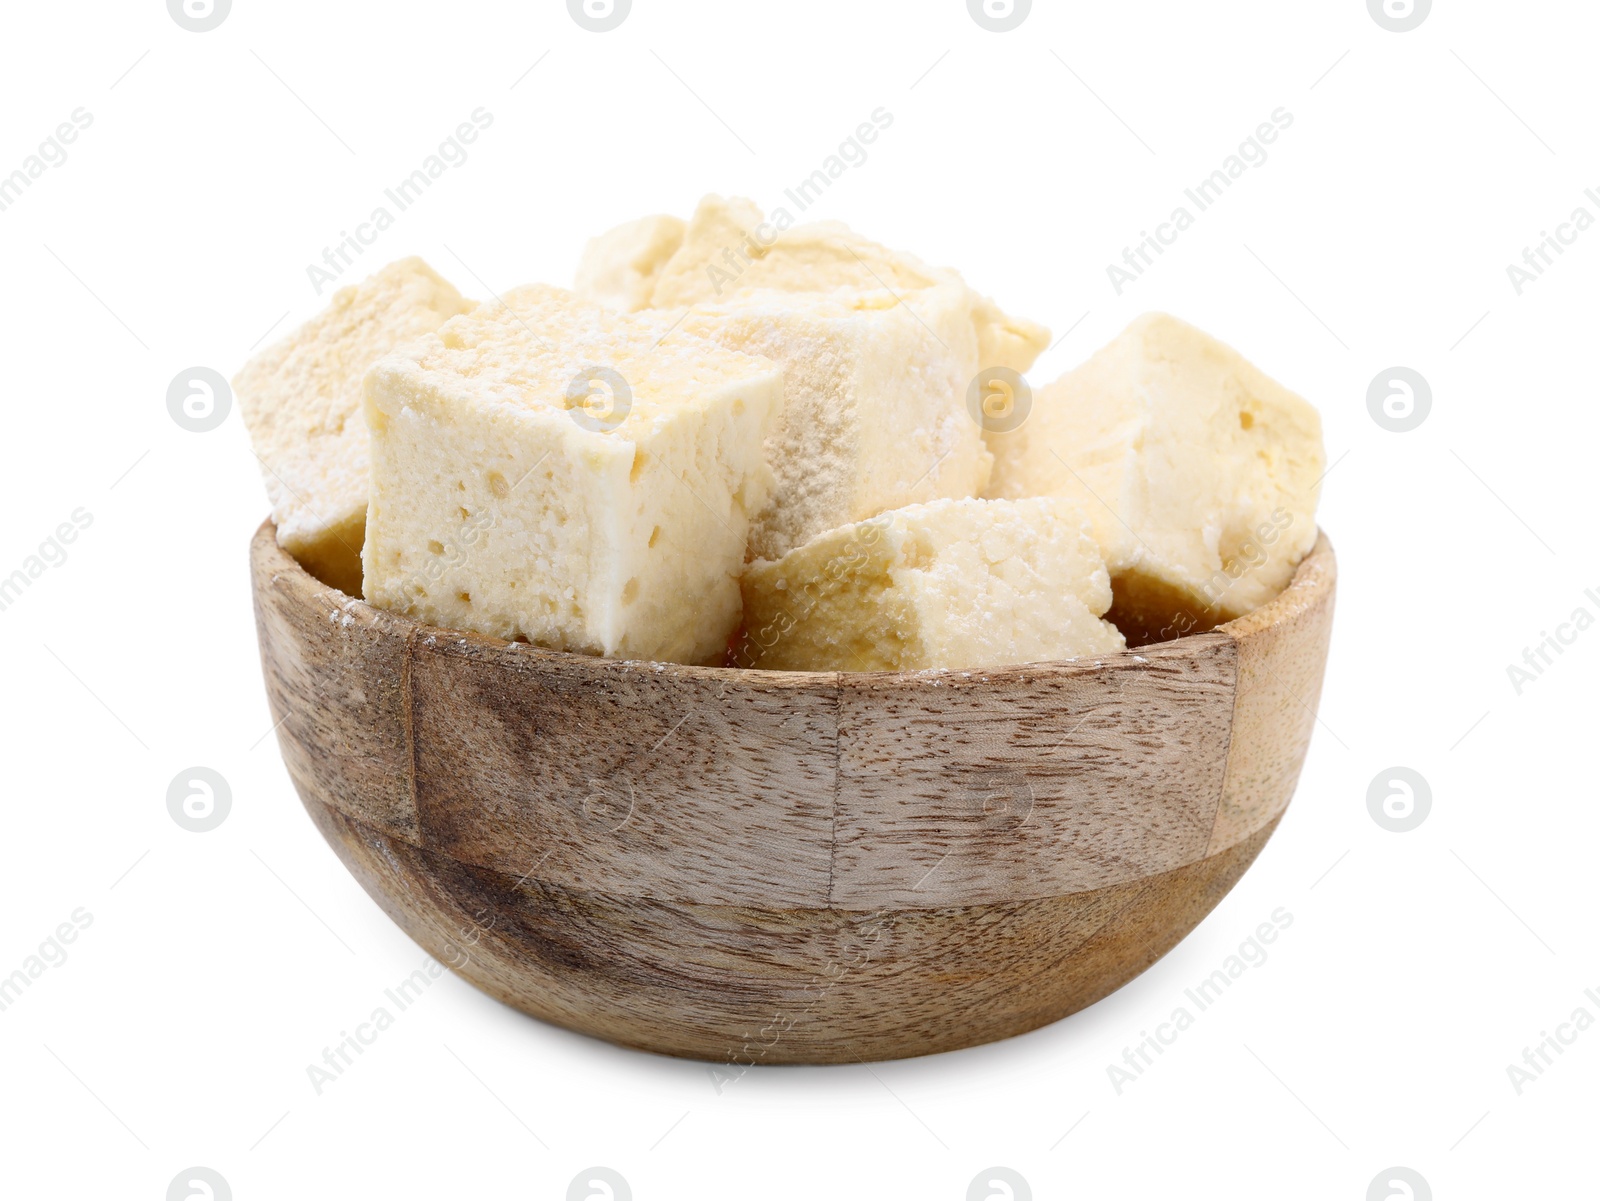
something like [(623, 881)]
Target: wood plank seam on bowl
[(332, 679), (551, 775), (834, 692), (476, 804), (1156, 906), (730, 895), (1147, 922), (838, 751), (684, 978), (1283, 648), (408, 724)]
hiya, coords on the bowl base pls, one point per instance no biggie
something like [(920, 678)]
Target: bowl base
[(740, 986)]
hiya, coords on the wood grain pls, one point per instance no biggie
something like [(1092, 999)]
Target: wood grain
[(1029, 782), (336, 675), (1283, 647), (685, 785), (740, 986), (789, 866)]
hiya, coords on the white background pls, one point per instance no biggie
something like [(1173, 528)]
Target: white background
[(218, 966)]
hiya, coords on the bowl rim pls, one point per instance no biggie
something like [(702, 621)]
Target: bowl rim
[(1314, 576)]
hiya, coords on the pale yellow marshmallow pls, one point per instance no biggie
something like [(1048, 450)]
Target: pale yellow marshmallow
[(620, 267), (728, 247), (875, 413), (521, 491), (301, 400), (1200, 474), (958, 584)]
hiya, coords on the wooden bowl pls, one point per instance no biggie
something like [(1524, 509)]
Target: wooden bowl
[(789, 867)]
